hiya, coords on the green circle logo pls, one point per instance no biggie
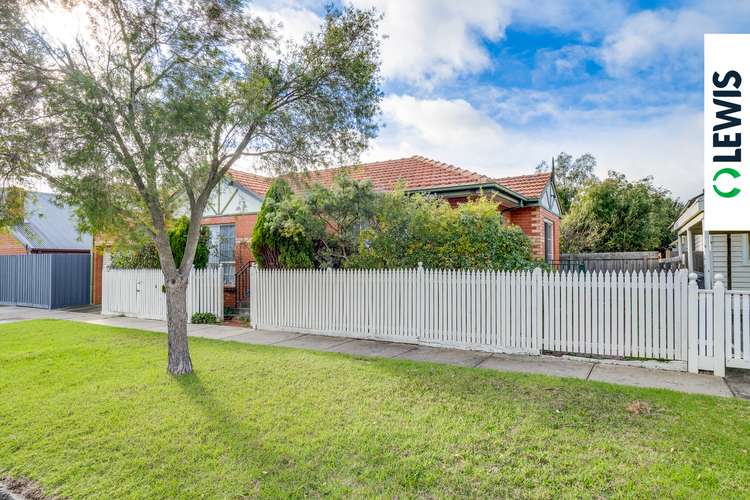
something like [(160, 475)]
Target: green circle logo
[(734, 191)]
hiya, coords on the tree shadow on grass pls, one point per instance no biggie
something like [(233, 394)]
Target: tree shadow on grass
[(240, 443)]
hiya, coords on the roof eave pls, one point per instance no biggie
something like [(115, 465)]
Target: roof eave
[(473, 186)]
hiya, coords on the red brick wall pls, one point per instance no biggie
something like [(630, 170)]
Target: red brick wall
[(243, 227), (243, 230), (531, 222), (98, 270), (9, 245)]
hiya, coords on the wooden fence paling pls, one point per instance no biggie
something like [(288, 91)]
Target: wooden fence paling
[(693, 328), (719, 330)]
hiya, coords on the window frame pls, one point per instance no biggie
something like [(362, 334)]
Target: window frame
[(229, 267), (549, 246)]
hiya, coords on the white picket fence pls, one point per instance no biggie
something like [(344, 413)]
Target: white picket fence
[(643, 315), (737, 327), (484, 310), (723, 330), (623, 315), (139, 293)]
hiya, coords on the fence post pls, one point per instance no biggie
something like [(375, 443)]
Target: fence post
[(719, 326), (536, 308), (421, 297), (253, 295), (692, 320)]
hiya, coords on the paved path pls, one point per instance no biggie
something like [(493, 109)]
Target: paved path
[(547, 365)]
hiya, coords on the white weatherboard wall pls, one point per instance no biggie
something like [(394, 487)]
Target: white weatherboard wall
[(623, 315), (138, 293)]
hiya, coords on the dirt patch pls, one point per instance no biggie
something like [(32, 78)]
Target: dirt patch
[(24, 488), (639, 408)]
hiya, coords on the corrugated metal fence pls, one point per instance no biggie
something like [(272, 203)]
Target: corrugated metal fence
[(47, 281)]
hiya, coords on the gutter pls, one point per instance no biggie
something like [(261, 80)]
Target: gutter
[(486, 186)]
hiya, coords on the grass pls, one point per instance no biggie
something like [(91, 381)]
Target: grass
[(88, 411)]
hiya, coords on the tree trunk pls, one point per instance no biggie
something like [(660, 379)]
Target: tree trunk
[(179, 362)]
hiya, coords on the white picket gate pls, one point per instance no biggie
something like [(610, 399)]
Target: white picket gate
[(139, 292)]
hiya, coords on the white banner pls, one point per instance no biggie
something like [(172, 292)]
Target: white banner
[(726, 178)]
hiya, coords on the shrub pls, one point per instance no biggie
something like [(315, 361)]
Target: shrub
[(204, 318), (145, 255), (178, 241), (278, 242), (409, 229)]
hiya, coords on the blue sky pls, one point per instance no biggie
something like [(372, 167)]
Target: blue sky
[(498, 86)]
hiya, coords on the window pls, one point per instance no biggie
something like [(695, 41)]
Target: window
[(549, 244), (222, 249)]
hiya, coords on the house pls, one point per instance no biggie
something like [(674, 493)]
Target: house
[(528, 201), (725, 253), (47, 228)]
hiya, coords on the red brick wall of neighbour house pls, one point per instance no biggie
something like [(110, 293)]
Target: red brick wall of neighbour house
[(531, 222), (243, 231), (98, 270), (9, 245)]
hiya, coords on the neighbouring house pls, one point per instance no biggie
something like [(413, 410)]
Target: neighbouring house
[(529, 201), (708, 254), (47, 228)]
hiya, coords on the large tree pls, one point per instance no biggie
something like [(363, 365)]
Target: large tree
[(618, 215), (141, 114)]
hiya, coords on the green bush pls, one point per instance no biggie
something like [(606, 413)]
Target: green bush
[(409, 229), (277, 241), (350, 225), (204, 318), (145, 255), (178, 241)]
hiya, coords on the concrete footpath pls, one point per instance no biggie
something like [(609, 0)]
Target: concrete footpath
[(733, 386)]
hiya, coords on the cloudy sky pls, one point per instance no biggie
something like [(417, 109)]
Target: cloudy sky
[(499, 85)]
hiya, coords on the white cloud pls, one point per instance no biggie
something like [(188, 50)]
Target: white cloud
[(430, 41), (435, 40), (453, 131), (649, 37), (293, 22)]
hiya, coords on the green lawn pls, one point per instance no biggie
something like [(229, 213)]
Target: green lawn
[(89, 411)]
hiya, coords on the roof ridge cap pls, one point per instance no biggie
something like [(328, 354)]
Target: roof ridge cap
[(455, 168), (231, 170), (535, 174)]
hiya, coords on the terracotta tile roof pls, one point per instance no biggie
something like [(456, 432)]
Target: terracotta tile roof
[(258, 184), (416, 172), (531, 186)]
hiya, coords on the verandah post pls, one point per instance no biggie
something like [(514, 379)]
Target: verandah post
[(692, 323), (719, 326)]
